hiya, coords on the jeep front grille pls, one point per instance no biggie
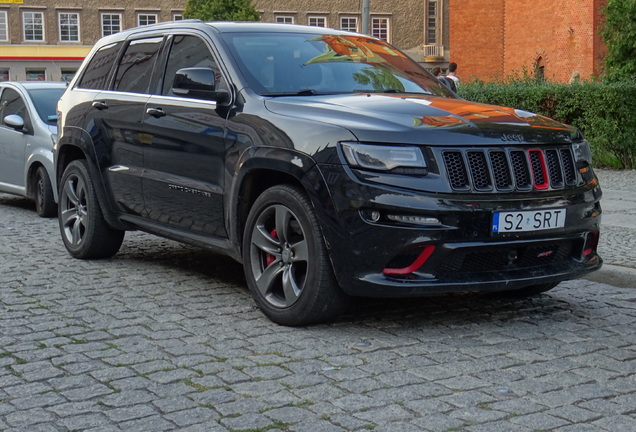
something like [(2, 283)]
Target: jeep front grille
[(510, 169)]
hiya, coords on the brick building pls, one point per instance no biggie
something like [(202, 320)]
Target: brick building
[(47, 39), (492, 39)]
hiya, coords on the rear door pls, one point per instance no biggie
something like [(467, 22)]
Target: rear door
[(117, 116), (185, 150)]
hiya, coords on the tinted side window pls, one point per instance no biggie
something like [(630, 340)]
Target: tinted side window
[(187, 52), (136, 65), (98, 70)]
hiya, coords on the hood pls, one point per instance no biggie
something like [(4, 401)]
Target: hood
[(423, 119)]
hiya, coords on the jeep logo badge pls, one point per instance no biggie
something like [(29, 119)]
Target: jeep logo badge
[(512, 137)]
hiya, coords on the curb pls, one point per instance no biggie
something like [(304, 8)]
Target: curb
[(623, 277)]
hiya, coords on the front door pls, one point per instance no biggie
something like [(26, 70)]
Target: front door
[(184, 156), (13, 142)]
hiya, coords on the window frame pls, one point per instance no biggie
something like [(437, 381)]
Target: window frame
[(111, 14), (36, 70), (432, 23), (4, 26), (349, 18), (59, 26), (147, 14), (317, 17), (24, 25), (283, 19), (177, 16), (377, 31)]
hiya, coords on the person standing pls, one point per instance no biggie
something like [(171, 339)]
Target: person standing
[(452, 68)]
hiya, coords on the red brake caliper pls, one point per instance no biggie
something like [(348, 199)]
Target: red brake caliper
[(269, 258)]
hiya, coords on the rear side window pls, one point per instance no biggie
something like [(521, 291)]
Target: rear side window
[(136, 65), (98, 70)]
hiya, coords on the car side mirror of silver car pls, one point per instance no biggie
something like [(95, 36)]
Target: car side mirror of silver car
[(198, 83), (15, 121)]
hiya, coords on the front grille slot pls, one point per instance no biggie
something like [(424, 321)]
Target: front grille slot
[(456, 170), (479, 170), (510, 169)]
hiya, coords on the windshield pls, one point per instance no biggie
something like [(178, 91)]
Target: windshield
[(45, 102), (277, 64)]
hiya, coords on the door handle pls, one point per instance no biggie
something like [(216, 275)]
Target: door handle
[(155, 112), (100, 105)]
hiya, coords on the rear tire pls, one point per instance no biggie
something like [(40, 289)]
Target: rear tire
[(286, 262), (43, 194), (84, 230)]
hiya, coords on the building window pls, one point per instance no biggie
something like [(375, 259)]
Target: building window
[(36, 75), (317, 21), (4, 75), (69, 27), (68, 74), (380, 28), (349, 24), (4, 28), (284, 19), (432, 18), (177, 16), (33, 23), (146, 19), (111, 23)]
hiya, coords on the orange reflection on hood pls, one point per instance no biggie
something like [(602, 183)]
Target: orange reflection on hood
[(438, 121)]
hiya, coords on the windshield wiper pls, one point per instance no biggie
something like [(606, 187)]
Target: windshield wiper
[(304, 92), (393, 91)]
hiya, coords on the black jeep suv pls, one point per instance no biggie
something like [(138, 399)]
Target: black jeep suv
[(329, 163)]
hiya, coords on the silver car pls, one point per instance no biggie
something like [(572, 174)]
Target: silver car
[(28, 129)]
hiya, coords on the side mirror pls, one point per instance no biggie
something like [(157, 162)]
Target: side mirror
[(15, 121), (198, 83)]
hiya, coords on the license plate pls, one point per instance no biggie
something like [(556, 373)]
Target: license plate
[(530, 220)]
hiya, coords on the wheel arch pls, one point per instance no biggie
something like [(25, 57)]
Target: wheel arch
[(31, 179), (263, 171), (77, 144)]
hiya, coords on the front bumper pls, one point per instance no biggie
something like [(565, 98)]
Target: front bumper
[(374, 255)]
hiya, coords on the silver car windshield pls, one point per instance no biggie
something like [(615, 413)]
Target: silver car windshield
[(45, 102), (280, 64)]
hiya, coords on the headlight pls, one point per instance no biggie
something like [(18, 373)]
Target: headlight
[(382, 158), (582, 152)]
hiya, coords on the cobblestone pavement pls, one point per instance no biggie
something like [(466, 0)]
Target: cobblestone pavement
[(166, 337), (618, 243)]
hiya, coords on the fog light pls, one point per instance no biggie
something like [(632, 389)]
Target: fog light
[(414, 220), (375, 216)]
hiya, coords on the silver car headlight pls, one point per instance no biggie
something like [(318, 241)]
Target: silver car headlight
[(381, 157)]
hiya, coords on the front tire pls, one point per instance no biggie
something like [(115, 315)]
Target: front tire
[(84, 231), (43, 194), (286, 262)]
